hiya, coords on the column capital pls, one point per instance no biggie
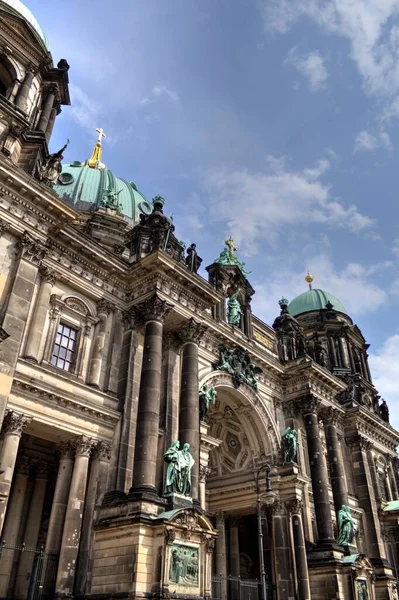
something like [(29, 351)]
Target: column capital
[(308, 405), (23, 465), (104, 307), (359, 443), (191, 331), (15, 423), (102, 450), (204, 472), (32, 249), (4, 226), (83, 446), (152, 309), (220, 518), (290, 409), (66, 449), (48, 275), (330, 415), (294, 506), (278, 508), (41, 470)]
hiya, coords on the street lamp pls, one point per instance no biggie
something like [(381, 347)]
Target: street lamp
[(269, 499)]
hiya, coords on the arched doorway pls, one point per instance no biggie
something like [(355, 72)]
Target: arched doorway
[(248, 437)]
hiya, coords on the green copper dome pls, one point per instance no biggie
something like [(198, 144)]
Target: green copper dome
[(23, 11), (85, 187), (313, 300)]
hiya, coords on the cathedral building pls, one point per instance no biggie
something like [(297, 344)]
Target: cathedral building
[(158, 440)]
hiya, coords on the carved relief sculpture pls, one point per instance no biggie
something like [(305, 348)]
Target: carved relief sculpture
[(184, 565), (238, 364)]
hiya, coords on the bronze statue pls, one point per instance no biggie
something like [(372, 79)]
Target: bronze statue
[(289, 444), (207, 396), (346, 526)]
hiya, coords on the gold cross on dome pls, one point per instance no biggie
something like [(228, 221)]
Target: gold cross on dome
[(101, 134), (230, 244)]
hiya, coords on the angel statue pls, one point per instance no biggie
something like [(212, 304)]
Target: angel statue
[(346, 526), (289, 443)]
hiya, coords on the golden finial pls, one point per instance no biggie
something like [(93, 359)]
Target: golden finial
[(94, 161), (309, 278), (230, 244)]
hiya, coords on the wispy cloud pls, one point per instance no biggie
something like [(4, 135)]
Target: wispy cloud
[(366, 141), (84, 111), (258, 205), (163, 90), (312, 66), (384, 364), (371, 29)]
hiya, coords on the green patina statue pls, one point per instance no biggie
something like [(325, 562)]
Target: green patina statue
[(228, 258), (178, 473), (237, 363), (234, 310), (346, 526), (207, 396), (110, 199), (289, 444)]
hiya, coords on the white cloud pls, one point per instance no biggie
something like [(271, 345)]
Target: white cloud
[(354, 285), (366, 141), (395, 247), (84, 110), (309, 65), (258, 205), (384, 366), (370, 27), (163, 90)]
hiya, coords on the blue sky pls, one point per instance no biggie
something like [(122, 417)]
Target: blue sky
[(274, 121)]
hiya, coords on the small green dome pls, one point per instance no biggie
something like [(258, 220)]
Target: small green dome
[(313, 300), (84, 188), (23, 11)]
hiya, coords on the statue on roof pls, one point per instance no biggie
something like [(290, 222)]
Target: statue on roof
[(227, 257), (234, 310), (193, 261), (110, 199), (384, 411), (50, 170)]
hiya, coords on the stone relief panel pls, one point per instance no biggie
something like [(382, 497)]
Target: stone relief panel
[(184, 565)]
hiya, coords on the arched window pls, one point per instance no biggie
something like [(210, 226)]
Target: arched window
[(6, 79)]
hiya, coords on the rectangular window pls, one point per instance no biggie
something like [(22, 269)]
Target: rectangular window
[(64, 347)]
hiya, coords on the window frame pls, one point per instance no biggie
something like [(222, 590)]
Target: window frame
[(78, 332)]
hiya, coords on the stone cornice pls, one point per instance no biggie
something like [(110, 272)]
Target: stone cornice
[(361, 421), (73, 402)]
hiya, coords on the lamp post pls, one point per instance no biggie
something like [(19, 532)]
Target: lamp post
[(269, 499)]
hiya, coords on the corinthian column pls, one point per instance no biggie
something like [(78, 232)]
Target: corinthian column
[(21, 100), (190, 335), (13, 427), (73, 519), (103, 311), (337, 472), (42, 306), (60, 499), (152, 313), (302, 574), (309, 408)]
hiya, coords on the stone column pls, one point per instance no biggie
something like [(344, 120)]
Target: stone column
[(333, 352), (394, 485), (21, 100), (32, 251), (330, 418), (42, 306), (221, 565), (56, 110), (13, 521), (73, 520), (190, 334), (60, 500), (31, 533), (234, 547), (302, 574), (103, 311), (96, 488), (365, 493), (13, 426), (282, 552), (46, 110), (318, 472), (152, 312), (343, 352), (115, 355), (351, 357), (204, 471)]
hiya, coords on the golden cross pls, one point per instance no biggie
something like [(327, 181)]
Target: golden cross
[(101, 134), (230, 244)]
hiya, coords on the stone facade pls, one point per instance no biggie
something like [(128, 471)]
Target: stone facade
[(103, 353)]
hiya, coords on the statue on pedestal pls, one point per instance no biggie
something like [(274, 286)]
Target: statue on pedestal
[(207, 396), (346, 526), (234, 310), (289, 443), (178, 473)]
